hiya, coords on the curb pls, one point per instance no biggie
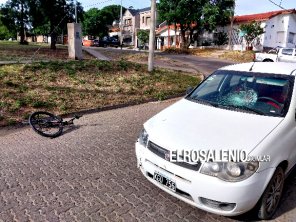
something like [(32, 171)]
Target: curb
[(25, 124), (119, 106)]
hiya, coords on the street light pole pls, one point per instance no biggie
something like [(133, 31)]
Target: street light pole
[(230, 33), (152, 36), (76, 11), (121, 25)]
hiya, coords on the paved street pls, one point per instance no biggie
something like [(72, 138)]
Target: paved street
[(90, 174), (182, 62), (205, 65)]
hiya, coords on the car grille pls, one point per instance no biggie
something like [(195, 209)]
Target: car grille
[(164, 154)]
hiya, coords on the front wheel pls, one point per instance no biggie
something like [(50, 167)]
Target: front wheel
[(272, 195), (46, 124)]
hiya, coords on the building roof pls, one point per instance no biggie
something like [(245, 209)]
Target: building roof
[(261, 16), (145, 9), (138, 11), (133, 11)]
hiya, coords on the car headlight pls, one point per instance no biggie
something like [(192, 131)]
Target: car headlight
[(143, 138), (230, 171)]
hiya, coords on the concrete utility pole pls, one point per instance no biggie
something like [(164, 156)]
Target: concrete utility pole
[(230, 40), (121, 25), (230, 32), (152, 36), (76, 11)]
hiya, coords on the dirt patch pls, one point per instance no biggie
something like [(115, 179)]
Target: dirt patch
[(237, 56)]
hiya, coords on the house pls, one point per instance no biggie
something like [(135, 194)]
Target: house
[(114, 30), (61, 39), (279, 27), (131, 22), (145, 18), (168, 36), (134, 20)]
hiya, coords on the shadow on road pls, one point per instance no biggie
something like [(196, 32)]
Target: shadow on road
[(69, 129)]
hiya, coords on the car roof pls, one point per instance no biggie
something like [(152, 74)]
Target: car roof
[(264, 67)]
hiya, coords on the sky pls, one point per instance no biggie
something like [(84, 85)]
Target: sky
[(243, 7)]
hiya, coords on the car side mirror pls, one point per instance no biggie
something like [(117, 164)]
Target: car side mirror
[(189, 90)]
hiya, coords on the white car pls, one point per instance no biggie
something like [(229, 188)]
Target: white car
[(246, 107), (277, 55)]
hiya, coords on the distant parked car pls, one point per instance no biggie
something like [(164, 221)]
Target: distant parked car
[(277, 55), (95, 42), (107, 41), (144, 46)]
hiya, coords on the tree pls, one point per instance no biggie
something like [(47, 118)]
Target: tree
[(15, 16), (114, 10), (51, 16), (251, 31), (55, 14), (39, 16), (4, 32), (222, 38), (193, 16), (93, 24), (96, 21), (143, 36), (217, 13)]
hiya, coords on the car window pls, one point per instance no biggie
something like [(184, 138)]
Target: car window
[(211, 86), (287, 52), (234, 80), (264, 94)]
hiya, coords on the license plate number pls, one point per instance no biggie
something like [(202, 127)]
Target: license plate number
[(165, 181)]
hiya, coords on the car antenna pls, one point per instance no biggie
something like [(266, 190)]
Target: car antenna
[(251, 68)]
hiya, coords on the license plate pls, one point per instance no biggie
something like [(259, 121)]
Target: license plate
[(165, 181)]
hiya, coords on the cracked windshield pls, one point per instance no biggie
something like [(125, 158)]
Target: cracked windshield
[(246, 92)]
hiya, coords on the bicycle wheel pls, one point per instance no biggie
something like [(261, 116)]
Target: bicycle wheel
[(46, 124)]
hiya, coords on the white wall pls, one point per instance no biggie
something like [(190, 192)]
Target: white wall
[(276, 31), (129, 28), (145, 24), (291, 30)]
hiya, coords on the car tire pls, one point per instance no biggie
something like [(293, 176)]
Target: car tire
[(272, 195)]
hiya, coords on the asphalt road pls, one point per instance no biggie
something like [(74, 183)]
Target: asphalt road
[(187, 63), (203, 64), (89, 174)]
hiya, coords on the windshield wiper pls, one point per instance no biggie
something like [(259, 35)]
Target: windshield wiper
[(246, 108), (204, 102)]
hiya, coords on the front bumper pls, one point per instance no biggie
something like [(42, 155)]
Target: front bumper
[(205, 192)]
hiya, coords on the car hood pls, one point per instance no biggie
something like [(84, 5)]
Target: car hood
[(193, 126)]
